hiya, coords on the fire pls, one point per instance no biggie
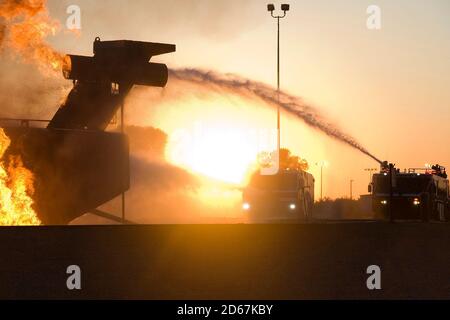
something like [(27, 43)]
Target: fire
[(26, 25), (218, 152), (16, 189), (223, 142)]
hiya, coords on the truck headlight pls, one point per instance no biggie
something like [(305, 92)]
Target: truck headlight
[(384, 202), (416, 202), (292, 206), (246, 206)]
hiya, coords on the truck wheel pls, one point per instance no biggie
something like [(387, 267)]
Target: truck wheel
[(447, 212), (425, 210), (425, 214)]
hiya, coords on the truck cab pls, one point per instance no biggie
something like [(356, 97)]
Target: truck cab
[(287, 195), (419, 194)]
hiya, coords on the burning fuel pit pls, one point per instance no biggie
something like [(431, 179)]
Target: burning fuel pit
[(74, 171)]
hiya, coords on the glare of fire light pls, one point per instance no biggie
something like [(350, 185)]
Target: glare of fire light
[(216, 195), (16, 188), (215, 135), (218, 134), (216, 152)]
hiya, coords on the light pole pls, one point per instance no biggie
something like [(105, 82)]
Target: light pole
[(351, 189), (271, 9), (321, 164)]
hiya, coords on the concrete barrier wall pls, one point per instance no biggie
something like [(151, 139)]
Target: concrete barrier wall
[(305, 261)]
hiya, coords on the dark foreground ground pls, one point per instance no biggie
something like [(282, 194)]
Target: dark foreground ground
[(303, 261)]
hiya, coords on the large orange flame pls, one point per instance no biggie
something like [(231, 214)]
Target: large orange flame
[(16, 189), (24, 26)]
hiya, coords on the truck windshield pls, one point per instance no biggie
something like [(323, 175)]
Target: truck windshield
[(410, 184), (283, 181)]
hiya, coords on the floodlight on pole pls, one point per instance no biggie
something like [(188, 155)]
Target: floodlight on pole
[(271, 9)]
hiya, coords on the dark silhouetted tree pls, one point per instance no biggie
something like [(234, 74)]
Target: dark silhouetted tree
[(287, 160)]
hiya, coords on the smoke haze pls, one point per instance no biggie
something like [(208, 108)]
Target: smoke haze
[(2, 34), (163, 193), (158, 187)]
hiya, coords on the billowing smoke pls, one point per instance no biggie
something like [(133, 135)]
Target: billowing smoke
[(2, 34), (288, 102)]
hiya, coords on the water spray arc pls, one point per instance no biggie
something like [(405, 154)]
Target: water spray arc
[(292, 104)]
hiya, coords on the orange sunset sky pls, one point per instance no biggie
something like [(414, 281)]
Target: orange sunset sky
[(387, 88)]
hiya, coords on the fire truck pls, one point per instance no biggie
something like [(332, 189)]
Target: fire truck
[(416, 193), (287, 195)]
